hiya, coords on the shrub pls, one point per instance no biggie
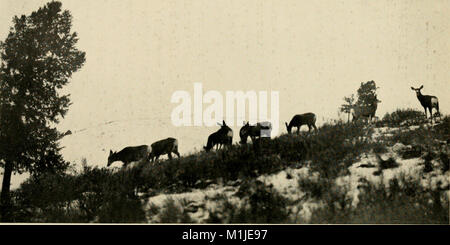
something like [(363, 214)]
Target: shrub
[(261, 204), (427, 137), (315, 188), (173, 213), (403, 117), (93, 195), (403, 201), (336, 147)]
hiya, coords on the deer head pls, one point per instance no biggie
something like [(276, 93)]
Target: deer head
[(288, 128), (243, 133), (110, 158), (417, 90)]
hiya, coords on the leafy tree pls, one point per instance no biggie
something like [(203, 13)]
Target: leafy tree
[(347, 107), (367, 94), (367, 102), (37, 59)]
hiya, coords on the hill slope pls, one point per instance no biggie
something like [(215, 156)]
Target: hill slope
[(394, 171)]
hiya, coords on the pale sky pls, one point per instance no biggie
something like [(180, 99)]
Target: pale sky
[(138, 53)]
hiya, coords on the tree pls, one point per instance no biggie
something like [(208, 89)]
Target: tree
[(366, 105), (367, 94), (347, 107), (37, 59)]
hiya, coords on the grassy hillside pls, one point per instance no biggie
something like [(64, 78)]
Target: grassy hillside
[(242, 184)]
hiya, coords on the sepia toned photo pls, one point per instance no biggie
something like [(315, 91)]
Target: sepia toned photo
[(224, 112)]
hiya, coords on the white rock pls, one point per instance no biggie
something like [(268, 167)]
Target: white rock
[(398, 147)]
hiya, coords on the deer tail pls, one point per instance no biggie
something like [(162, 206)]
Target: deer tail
[(175, 145)]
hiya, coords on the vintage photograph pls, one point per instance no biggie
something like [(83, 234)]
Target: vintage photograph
[(224, 112)]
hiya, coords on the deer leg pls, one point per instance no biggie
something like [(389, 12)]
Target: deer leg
[(169, 155), (177, 153), (425, 113), (437, 109), (431, 112), (315, 128)]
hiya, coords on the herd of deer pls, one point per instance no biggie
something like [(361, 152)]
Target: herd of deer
[(224, 136)]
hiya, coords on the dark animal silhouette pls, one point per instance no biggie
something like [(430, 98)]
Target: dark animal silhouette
[(301, 119), (428, 102), (165, 146), (368, 112), (224, 136), (252, 131), (129, 154)]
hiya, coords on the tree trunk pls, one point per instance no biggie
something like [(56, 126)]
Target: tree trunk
[(5, 198)]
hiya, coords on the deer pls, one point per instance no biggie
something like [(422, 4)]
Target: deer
[(224, 136), (368, 112), (129, 154), (301, 119), (165, 146), (428, 102), (253, 131)]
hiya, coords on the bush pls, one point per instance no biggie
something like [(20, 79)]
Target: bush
[(427, 137), (93, 195), (262, 204), (171, 213), (226, 164), (403, 117), (336, 147), (403, 201)]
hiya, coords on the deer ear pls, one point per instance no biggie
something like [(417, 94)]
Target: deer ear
[(224, 124), (412, 88), (421, 87), (110, 152)]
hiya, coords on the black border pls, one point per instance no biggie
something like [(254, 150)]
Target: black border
[(160, 234)]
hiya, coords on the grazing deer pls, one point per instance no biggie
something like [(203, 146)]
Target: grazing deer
[(253, 131), (129, 154), (368, 112), (302, 119), (428, 102), (165, 146), (224, 136)]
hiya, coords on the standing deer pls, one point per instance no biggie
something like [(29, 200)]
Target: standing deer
[(129, 154), (253, 131), (368, 112), (428, 102), (224, 136), (302, 119), (165, 146)]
